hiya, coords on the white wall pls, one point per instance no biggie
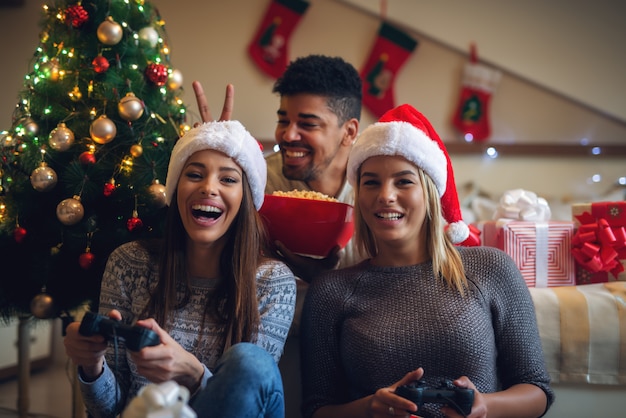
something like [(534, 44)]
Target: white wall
[(208, 40)]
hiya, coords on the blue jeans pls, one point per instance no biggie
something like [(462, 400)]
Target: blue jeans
[(246, 384)]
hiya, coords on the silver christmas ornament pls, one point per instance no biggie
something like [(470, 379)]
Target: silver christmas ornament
[(42, 306), (70, 211), (148, 37), (43, 178), (175, 80), (130, 107), (61, 138), (157, 191)]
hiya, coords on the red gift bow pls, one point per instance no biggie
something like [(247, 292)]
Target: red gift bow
[(597, 246)]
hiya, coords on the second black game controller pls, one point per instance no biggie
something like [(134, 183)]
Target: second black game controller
[(419, 393), (135, 337)]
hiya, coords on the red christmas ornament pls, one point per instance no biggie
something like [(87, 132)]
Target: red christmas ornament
[(87, 158), (100, 64), (76, 15), (157, 73), (109, 188), (86, 259), (19, 234), (134, 223)]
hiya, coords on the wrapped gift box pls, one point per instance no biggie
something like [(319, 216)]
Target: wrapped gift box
[(541, 250), (599, 244)]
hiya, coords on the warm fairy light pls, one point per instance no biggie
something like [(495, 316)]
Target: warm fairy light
[(127, 164), (166, 50), (60, 16), (179, 102), (93, 113), (134, 66)]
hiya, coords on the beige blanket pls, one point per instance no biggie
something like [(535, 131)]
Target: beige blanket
[(583, 332)]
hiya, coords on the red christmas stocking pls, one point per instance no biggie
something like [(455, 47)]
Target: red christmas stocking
[(269, 46), (472, 115), (391, 49)]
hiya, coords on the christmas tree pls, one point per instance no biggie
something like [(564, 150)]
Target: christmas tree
[(82, 166)]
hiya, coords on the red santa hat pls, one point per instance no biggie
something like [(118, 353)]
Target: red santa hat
[(406, 132)]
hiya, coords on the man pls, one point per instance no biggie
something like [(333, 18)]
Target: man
[(318, 122)]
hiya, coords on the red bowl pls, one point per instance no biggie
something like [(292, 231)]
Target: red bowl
[(307, 226)]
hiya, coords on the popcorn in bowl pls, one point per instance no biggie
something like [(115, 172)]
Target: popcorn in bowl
[(307, 222), (305, 194)]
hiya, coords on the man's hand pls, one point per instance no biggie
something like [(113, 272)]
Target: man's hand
[(203, 105), (307, 268)]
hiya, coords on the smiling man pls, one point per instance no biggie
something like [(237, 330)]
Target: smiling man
[(318, 122)]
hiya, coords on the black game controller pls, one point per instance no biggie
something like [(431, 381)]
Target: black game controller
[(419, 393), (136, 337)]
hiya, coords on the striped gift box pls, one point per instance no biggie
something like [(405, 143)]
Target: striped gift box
[(583, 332), (541, 250)]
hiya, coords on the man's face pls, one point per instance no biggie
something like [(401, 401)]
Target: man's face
[(309, 136)]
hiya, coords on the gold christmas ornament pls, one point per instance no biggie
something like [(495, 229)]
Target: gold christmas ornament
[(130, 107), (175, 80), (157, 191), (102, 130), (70, 211), (136, 150), (43, 178), (110, 32), (148, 37), (61, 138), (42, 306)]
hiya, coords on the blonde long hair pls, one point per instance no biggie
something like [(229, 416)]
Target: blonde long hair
[(445, 257)]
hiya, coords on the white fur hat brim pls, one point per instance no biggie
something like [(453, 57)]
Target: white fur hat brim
[(402, 139), (229, 137)]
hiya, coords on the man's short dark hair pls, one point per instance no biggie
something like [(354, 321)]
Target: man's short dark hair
[(321, 75)]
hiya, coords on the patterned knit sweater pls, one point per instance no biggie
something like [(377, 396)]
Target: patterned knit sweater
[(129, 275), (365, 327)]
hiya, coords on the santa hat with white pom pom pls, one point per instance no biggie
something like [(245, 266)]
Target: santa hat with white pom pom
[(406, 132)]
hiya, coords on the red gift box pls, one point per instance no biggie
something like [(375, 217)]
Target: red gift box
[(541, 250), (599, 244)]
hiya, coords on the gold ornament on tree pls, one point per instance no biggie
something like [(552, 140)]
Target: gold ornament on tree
[(110, 32), (42, 306), (70, 211), (130, 107), (102, 130), (136, 150), (61, 138), (43, 178), (157, 191)]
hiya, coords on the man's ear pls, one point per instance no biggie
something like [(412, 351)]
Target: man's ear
[(351, 132)]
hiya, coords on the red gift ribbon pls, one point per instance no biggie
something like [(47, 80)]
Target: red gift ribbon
[(598, 247)]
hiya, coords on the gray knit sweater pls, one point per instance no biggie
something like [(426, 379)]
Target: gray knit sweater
[(128, 277), (365, 327)]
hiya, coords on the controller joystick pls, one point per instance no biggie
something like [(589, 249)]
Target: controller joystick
[(136, 337)]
